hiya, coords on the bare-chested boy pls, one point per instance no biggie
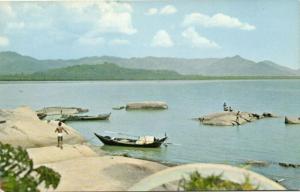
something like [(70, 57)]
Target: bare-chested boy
[(59, 131)]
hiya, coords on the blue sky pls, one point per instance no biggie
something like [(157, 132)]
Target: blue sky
[(257, 29)]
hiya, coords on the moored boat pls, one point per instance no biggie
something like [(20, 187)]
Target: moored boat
[(41, 115), (146, 141), (84, 117), (290, 120)]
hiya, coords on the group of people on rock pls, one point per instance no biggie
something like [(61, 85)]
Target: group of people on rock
[(226, 108)]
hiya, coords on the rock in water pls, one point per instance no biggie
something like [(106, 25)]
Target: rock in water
[(265, 114), (227, 118), (257, 163), (147, 105)]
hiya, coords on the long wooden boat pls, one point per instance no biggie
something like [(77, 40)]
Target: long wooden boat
[(107, 140), (84, 117)]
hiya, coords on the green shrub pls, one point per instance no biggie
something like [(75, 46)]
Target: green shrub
[(17, 172), (196, 182)]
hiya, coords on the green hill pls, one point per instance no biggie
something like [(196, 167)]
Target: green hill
[(14, 63), (106, 71), (109, 71)]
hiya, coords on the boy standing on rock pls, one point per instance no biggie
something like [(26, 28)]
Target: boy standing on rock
[(59, 131)]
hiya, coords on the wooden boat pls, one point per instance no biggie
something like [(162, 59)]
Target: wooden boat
[(84, 117), (118, 108), (290, 120), (41, 115), (61, 110), (107, 140)]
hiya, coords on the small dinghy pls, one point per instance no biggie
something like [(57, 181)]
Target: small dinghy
[(290, 120), (145, 141)]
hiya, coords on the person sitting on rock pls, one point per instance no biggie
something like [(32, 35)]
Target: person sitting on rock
[(59, 131), (230, 109), (225, 107)]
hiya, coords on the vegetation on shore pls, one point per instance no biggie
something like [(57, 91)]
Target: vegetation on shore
[(196, 182), (109, 71), (17, 172)]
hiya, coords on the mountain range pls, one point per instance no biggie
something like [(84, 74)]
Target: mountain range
[(14, 63)]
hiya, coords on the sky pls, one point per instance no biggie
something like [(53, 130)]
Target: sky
[(257, 29)]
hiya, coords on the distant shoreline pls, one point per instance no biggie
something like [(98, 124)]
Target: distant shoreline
[(185, 78)]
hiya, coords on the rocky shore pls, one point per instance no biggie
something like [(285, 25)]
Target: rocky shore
[(80, 166), (84, 169)]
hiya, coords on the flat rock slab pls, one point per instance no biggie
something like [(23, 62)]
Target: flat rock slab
[(153, 105), (52, 154), (61, 110), (227, 118), (106, 173)]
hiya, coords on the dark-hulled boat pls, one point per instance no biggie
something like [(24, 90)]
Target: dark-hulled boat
[(291, 120), (41, 115), (107, 140), (84, 117)]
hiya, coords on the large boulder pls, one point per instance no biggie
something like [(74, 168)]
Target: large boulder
[(174, 175), (146, 105), (23, 128), (227, 118)]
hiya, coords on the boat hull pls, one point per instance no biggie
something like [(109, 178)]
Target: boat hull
[(84, 118), (108, 141), (289, 120)]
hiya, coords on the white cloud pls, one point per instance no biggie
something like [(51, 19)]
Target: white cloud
[(6, 9), (116, 22), (162, 39), (91, 41), (72, 17), (197, 40), (168, 9), (107, 17), (217, 20), (119, 42), (15, 25), (152, 11), (4, 41)]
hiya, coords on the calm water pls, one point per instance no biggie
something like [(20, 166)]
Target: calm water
[(268, 140)]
